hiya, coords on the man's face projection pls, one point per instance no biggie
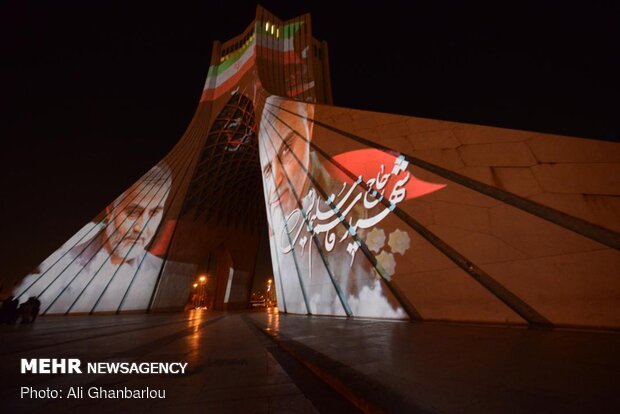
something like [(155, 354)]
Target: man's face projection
[(133, 223), (287, 151)]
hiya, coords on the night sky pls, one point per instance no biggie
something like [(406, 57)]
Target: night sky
[(94, 93)]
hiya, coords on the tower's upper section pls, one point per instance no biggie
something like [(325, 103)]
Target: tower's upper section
[(285, 57)]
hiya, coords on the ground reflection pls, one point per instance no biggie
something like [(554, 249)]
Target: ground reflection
[(273, 319), (196, 317)]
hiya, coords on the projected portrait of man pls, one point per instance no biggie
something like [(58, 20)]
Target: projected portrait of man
[(133, 223), (106, 266), (285, 157), (288, 161), (310, 203), (285, 152)]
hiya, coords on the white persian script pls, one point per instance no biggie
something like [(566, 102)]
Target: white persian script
[(321, 224)]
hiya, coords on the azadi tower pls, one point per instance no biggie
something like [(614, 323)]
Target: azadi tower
[(367, 214)]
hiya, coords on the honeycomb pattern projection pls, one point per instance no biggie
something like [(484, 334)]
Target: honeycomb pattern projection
[(226, 185)]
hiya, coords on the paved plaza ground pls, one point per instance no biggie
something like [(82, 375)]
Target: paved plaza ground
[(265, 362)]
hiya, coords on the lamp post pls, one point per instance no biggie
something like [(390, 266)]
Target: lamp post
[(195, 285), (203, 281), (269, 293)]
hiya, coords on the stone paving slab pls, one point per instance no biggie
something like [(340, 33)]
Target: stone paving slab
[(230, 371), (401, 366), (237, 362)]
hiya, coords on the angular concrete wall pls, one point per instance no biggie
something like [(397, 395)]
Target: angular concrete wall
[(566, 277)]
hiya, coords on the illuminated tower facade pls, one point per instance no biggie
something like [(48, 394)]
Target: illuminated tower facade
[(366, 214)]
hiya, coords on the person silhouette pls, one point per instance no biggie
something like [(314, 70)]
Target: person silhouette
[(25, 311), (9, 310), (35, 307)]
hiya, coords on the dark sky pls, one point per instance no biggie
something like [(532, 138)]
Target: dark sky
[(95, 92)]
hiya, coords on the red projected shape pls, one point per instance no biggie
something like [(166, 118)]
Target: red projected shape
[(367, 163)]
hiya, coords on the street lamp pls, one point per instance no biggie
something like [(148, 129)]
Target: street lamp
[(269, 292), (195, 298), (203, 280)]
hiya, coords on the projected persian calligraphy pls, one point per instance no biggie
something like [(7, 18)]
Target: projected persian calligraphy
[(333, 236)]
